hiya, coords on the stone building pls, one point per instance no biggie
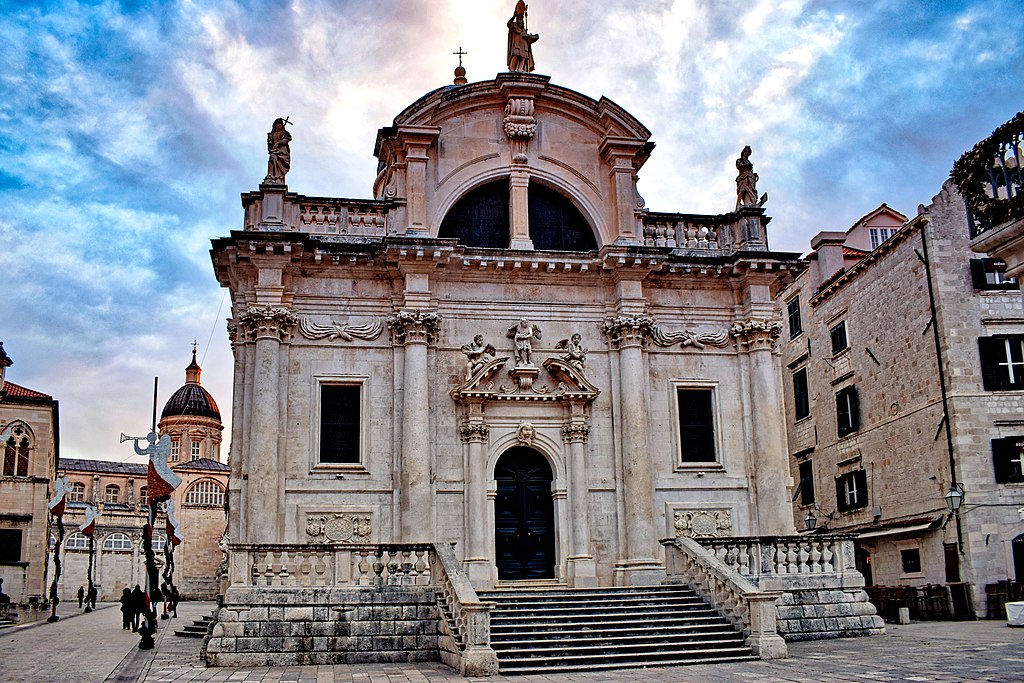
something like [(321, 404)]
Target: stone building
[(873, 379), (118, 490), (505, 351), (30, 442)]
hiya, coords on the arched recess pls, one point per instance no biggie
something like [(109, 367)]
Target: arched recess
[(555, 222), (524, 516), (480, 218)]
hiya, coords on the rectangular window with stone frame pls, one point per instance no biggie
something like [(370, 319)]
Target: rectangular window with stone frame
[(1002, 362), (696, 424), (852, 491), (1008, 459), (847, 411), (795, 323), (340, 423), (195, 450), (806, 485), (990, 274), (837, 334), (801, 399), (175, 449), (10, 545)]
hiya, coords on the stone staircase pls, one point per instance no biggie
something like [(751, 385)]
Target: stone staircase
[(197, 629), (552, 629)]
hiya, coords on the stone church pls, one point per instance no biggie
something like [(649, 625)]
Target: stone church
[(504, 351)]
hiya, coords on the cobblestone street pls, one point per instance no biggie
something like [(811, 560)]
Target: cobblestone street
[(91, 648)]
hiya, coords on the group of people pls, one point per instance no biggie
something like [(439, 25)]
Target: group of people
[(87, 598), (133, 605)]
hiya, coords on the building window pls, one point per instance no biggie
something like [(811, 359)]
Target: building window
[(339, 423), (801, 401), (175, 449), (10, 545), (847, 411), (159, 543), (16, 457), (111, 494), (144, 495), (879, 235), (1008, 459), (838, 336), (195, 450), (696, 425), (806, 486), (910, 558), (117, 541), (795, 324), (1002, 362), (205, 492), (990, 273), (852, 491), (77, 541), (76, 494)]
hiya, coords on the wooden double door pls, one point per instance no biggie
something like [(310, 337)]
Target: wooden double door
[(524, 516)]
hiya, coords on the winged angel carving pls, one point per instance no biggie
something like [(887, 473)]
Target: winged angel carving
[(477, 355), (521, 334), (346, 332)]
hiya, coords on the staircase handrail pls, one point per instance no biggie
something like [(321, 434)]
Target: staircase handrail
[(750, 609), (470, 617)]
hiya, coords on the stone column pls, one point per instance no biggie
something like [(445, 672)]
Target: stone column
[(474, 433), (415, 143), (519, 209), (414, 330), (625, 157), (582, 568), (768, 453), (639, 563)]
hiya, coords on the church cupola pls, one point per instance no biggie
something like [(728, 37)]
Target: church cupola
[(192, 419)]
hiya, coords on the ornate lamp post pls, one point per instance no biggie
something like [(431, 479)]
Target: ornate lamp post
[(88, 529), (56, 507)]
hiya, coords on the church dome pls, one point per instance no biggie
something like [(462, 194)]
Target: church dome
[(191, 399)]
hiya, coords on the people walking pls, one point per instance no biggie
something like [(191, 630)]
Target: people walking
[(81, 596), (138, 606), (126, 609), (175, 599), (90, 596)]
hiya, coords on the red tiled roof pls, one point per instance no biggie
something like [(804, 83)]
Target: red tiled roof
[(17, 391), (851, 252)]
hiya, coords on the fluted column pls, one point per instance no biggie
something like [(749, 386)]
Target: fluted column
[(414, 330), (474, 434), (268, 326), (638, 562), (770, 461), (581, 566)]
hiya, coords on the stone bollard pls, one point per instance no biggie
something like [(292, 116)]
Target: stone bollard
[(904, 616)]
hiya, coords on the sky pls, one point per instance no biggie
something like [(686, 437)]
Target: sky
[(128, 131)]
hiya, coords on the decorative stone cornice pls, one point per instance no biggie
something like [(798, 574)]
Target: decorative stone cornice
[(687, 338), (474, 432), (413, 327), (575, 432), (756, 335), (624, 332), (262, 322), (340, 331)]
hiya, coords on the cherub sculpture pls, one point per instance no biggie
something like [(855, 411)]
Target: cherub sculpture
[(521, 334), (477, 355), (575, 355)]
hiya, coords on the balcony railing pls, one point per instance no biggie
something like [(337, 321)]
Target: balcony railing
[(990, 177)]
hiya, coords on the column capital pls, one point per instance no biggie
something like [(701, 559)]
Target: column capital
[(624, 332), (266, 322), (474, 432), (756, 334), (575, 432), (413, 327)]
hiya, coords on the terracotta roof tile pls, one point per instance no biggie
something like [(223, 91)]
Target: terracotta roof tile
[(17, 391)]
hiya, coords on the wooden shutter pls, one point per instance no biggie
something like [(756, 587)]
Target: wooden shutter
[(978, 274), (993, 351), (800, 398)]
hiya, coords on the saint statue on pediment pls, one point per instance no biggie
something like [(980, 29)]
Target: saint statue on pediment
[(520, 41), (279, 153)]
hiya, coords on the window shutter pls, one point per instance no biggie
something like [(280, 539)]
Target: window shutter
[(840, 496), (842, 415), (860, 478), (978, 274), (1001, 459), (992, 350), (854, 410)]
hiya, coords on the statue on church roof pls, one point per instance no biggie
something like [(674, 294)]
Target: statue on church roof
[(520, 41), (746, 181), (521, 334), (278, 147)]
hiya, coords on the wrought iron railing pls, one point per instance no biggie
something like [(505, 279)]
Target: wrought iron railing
[(990, 177)]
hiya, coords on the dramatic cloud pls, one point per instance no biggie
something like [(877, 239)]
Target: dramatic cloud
[(129, 130)]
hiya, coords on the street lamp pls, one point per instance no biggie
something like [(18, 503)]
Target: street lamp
[(810, 521), (954, 497)]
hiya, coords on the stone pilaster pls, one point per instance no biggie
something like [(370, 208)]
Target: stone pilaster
[(414, 330), (474, 434), (770, 462), (638, 563), (268, 327), (581, 566)]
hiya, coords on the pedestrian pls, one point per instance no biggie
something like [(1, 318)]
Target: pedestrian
[(164, 595), (91, 596), (81, 596), (175, 599), (126, 609), (138, 606)]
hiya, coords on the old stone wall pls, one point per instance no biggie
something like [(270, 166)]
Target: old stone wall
[(822, 613)]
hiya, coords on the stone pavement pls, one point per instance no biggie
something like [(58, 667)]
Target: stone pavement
[(91, 648)]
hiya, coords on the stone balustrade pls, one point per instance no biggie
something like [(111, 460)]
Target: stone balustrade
[(760, 557), (749, 608), (315, 215), (467, 618), (681, 232), (311, 566)]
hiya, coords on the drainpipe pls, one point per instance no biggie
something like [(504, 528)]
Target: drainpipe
[(942, 372)]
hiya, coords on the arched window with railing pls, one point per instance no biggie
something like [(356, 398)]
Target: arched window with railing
[(205, 492)]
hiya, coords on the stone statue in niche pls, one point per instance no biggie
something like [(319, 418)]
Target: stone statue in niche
[(521, 334), (575, 355), (520, 41), (279, 151), (477, 355), (746, 181)]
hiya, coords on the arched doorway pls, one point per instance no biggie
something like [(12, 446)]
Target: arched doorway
[(524, 516)]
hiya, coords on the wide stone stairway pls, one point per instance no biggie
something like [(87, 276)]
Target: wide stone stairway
[(537, 630)]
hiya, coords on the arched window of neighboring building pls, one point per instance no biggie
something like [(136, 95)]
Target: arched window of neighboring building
[(480, 217), (76, 494), (205, 492), (111, 494), (77, 541), (159, 541), (117, 541), (16, 451), (144, 495)]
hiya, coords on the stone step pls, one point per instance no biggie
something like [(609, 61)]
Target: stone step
[(574, 593), (560, 665), (583, 645), (197, 629), (631, 617), (627, 630), (595, 607)]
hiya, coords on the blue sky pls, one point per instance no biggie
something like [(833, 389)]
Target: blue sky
[(128, 130)]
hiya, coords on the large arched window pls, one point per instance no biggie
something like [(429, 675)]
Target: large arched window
[(76, 494), (556, 224), (117, 541), (16, 450), (159, 542), (480, 218), (205, 492), (76, 541), (111, 494)]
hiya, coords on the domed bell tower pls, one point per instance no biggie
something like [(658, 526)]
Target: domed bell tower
[(192, 420)]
